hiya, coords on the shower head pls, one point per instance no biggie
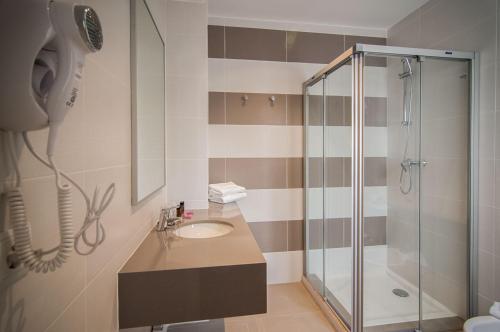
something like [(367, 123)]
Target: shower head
[(407, 72)]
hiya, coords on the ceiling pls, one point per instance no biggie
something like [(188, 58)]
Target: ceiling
[(378, 14)]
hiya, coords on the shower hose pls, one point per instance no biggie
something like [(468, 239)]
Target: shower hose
[(406, 165)]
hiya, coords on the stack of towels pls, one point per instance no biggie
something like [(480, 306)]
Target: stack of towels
[(223, 193)]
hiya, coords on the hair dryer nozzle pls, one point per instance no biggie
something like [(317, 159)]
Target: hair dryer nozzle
[(90, 27)]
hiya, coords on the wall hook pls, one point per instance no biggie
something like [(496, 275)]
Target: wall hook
[(272, 99), (244, 99)]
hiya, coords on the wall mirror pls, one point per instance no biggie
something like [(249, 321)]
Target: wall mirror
[(147, 63)]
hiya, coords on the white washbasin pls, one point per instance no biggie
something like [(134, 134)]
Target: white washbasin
[(204, 229)]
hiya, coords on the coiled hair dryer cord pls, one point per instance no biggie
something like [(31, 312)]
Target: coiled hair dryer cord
[(33, 259)]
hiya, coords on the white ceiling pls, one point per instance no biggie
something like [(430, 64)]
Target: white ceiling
[(377, 14)]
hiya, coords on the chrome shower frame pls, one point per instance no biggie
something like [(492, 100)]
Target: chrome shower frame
[(357, 55)]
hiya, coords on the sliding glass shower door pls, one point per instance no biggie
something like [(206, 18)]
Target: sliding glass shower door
[(338, 190), (314, 160), (393, 168), (390, 172), (328, 188)]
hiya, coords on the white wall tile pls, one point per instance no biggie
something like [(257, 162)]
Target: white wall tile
[(187, 138), (445, 18), (73, 318), (338, 141), (258, 141), (38, 299), (375, 142), (187, 17), (338, 202), (186, 55), (284, 267), (187, 96), (115, 53), (187, 103), (217, 75), (189, 177), (108, 112), (272, 204), (254, 76)]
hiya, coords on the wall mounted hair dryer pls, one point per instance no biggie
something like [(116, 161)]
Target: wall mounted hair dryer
[(45, 44)]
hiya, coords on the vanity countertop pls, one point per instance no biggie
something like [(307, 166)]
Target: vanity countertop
[(169, 279), (165, 251)]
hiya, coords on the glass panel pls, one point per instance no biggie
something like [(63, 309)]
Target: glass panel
[(444, 193), (338, 206), (314, 182), (391, 193)]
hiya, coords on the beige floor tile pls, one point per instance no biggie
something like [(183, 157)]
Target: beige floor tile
[(290, 309), (243, 324), (289, 299)]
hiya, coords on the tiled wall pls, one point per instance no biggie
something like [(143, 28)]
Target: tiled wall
[(94, 147), (256, 128), (464, 25), (187, 106)]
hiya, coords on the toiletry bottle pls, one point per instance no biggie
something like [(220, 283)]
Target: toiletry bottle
[(180, 209)]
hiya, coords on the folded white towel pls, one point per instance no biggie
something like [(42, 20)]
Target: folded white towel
[(218, 194), (227, 198), (225, 188)]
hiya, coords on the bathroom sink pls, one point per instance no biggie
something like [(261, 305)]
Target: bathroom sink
[(204, 229)]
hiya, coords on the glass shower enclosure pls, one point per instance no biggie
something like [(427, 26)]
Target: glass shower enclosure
[(390, 176)]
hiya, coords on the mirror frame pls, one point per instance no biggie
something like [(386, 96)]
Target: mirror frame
[(133, 88)]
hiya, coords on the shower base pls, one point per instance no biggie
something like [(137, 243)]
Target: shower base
[(382, 306)]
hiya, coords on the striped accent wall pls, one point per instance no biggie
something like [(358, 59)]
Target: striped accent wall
[(255, 136)]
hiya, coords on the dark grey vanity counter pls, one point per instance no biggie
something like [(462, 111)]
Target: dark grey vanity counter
[(170, 279)]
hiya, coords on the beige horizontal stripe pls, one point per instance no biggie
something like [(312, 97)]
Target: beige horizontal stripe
[(255, 44), (338, 172), (294, 110), (279, 236), (258, 109), (215, 41), (216, 108), (338, 111), (254, 108), (258, 173), (338, 232), (286, 46), (282, 173), (313, 47)]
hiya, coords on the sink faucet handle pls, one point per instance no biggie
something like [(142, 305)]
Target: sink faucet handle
[(160, 225), (172, 212)]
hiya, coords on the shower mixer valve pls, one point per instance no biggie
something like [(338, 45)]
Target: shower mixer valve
[(409, 163)]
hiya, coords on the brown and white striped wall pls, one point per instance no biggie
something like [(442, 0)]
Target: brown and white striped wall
[(256, 136)]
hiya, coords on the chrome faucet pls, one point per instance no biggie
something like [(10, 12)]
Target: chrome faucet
[(168, 219)]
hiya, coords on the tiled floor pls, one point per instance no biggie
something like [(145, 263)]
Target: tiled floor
[(290, 308)]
